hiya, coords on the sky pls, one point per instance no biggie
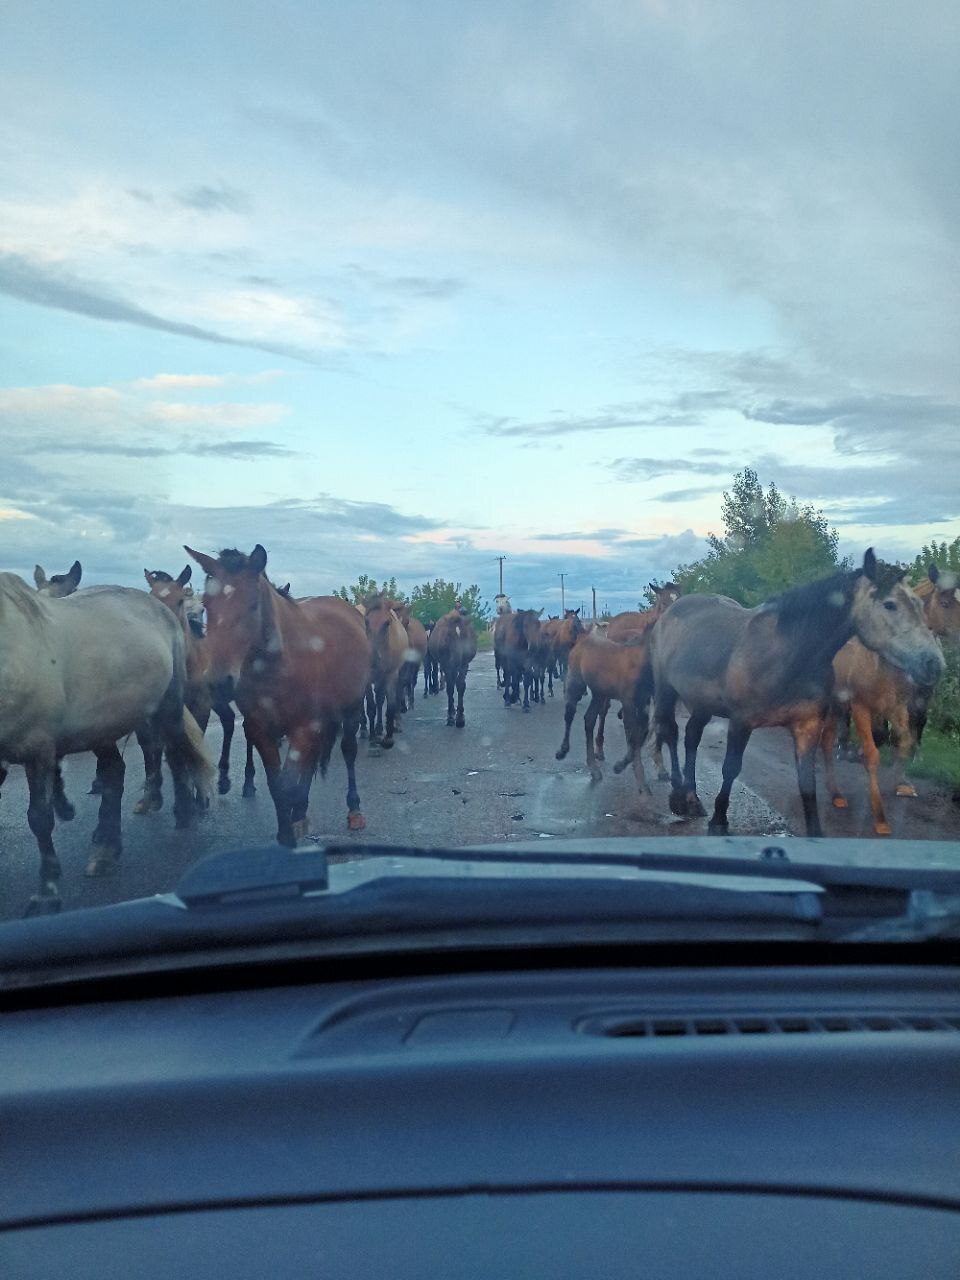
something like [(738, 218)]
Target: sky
[(399, 288)]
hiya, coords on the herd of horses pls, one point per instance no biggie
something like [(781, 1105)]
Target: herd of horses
[(83, 669)]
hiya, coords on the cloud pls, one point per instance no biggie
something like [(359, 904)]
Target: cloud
[(685, 495), (46, 285), (214, 199), (635, 469), (178, 381), (240, 450), (563, 425), (598, 535)]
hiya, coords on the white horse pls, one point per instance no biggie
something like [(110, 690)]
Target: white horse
[(77, 674)]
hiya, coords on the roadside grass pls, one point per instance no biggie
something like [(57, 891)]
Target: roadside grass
[(938, 758), (484, 641)]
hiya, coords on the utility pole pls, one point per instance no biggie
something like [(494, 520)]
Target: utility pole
[(501, 560), (563, 607), (594, 590)]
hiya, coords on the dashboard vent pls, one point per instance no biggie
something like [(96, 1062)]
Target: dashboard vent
[(786, 1024)]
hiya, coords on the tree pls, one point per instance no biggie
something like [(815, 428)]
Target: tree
[(770, 543), (945, 555), (431, 600), (365, 586)]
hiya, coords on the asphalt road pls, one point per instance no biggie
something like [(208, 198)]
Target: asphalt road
[(495, 780)]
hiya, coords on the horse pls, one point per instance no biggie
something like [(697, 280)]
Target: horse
[(296, 669), (414, 655), (79, 673), (561, 637), (178, 596), (388, 645), (630, 626), (60, 584), (869, 687), (455, 644), (431, 669), (611, 671), (773, 666), (939, 594), (516, 647)]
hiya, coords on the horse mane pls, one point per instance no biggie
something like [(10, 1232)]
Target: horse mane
[(233, 561), (20, 595), (158, 575), (807, 603)]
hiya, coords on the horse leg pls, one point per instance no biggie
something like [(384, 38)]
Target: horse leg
[(575, 691), (550, 678), (461, 690), (61, 805), (228, 720), (863, 722), (451, 677), (249, 789), (40, 780), (691, 742), (107, 845), (662, 775), (305, 748), (348, 748), (636, 725), (665, 717), (601, 726), (827, 745), (806, 740), (589, 723), (526, 687), (269, 752), (373, 747), (903, 731), (152, 798), (391, 697), (738, 735)]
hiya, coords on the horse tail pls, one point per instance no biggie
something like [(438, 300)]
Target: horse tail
[(201, 767)]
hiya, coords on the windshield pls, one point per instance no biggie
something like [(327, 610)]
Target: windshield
[(448, 425)]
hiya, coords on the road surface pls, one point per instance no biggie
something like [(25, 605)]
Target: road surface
[(495, 780)]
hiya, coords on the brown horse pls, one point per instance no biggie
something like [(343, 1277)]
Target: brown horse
[(517, 647), (611, 671), (633, 626), (296, 669), (388, 645), (871, 688), (455, 644), (201, 696), (773, 665), (415, 654), (60, 584), (940, 595), (560, 635)]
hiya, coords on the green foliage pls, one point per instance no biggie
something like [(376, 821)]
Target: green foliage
[(770, 543), (945, 555), (944, 712), (431, 600), (365, 586)]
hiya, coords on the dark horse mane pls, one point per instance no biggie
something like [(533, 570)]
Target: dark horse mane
[(158, 575), (807, 604), (234, 561)]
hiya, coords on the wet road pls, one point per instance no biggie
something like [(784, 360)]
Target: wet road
[(495, 780)]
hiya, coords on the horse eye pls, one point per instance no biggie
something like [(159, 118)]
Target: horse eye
[(888, 604)]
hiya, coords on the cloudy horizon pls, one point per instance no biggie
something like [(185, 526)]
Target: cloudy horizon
[(399, 288)]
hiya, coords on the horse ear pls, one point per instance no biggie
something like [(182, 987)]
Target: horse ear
[(258, 559), (149, 577), (933, 573), (208, 564), (39, 577), (870, 565), (576, 612), (539, 613), (184, 576)]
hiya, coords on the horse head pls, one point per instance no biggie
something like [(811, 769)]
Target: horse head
[(61, 584), (664, 596), (940, 594), (234, 598), (888, 618), (173, 592)]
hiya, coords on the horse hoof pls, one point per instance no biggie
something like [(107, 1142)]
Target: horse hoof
[(596, 775), (905, 789), (148, 804), (460, 722), (66, 812), (356, 821), (694, 808), (561, 754), (678, 803), (840, 802), (718, 829), (882, 828), (103, 862), (450, 722), (526, 709), (387, 743), (373, 751), (301, 830), (619, 766), (662, 775), (223, 786), (44, 904), (249, 791)]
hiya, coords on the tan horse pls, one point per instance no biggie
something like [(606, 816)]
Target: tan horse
[(559, 635), (79, 674), (773, 665), (178, 597), (415, 654), (454, 642), (940, 595), (612, 672), (388, 646), (296, 669)]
